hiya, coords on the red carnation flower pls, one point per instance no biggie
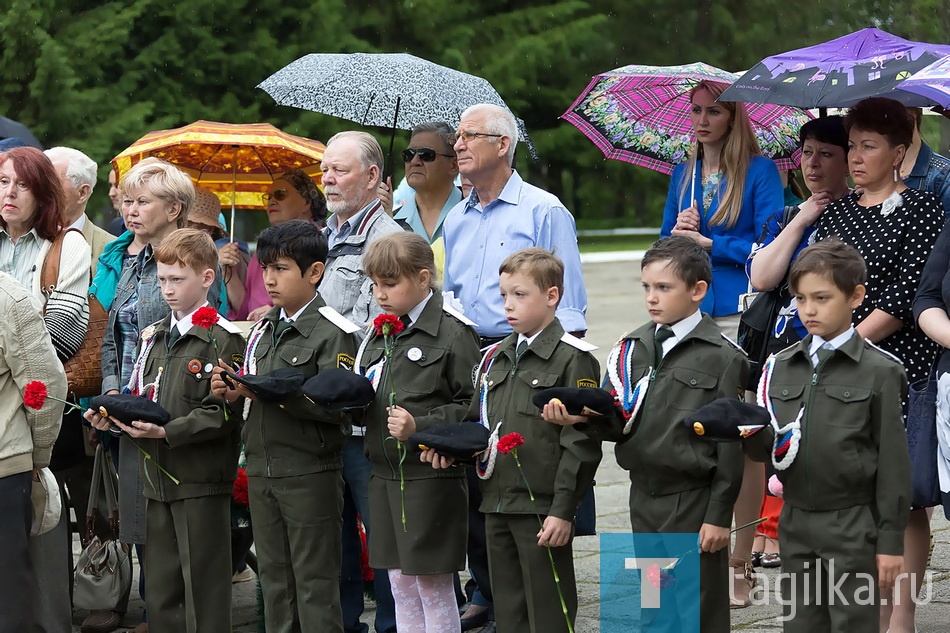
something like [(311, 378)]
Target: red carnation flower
[(659, 578), (388, 325), (34, 396), (510, 442), (205, 317), (240, 487)]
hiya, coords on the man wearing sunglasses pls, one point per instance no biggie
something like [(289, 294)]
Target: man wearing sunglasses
[(431, 169)]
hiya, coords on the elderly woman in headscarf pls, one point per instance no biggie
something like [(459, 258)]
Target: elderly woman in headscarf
[(293, 196)]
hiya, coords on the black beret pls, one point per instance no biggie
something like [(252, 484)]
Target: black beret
[(272, 386), (127, 408), (727, 420), (578, 400), (459, 440), (339, 389)]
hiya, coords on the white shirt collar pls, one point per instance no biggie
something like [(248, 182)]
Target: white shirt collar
[(184, 324), (529, 339), (296, 315), (416, 312), (680, 329), (79, 224), (817, 342)]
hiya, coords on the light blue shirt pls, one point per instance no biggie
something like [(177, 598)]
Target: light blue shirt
[(477, 241), (409, 213)]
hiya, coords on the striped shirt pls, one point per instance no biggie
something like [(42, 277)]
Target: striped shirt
[(19, 259)]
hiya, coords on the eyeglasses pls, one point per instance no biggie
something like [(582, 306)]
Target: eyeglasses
[(278, 195), (20, 185), (426, 154), (470, 136)]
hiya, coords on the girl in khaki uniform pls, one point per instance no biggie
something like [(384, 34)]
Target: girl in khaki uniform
[(419, 515)]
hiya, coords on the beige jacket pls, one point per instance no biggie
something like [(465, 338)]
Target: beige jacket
[(26, 354)]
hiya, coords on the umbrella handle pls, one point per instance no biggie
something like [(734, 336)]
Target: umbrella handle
[(392, 138), (233, 190)]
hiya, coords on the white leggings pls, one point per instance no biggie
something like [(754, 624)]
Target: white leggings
[(425, 604)]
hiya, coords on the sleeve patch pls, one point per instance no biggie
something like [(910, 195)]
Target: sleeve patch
[(345, 361), (237, 361), (586, 383)]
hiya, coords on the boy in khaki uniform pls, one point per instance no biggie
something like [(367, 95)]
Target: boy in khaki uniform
[(559, 462), (188, 585), (841, 451), (681, 361), (293, 446)]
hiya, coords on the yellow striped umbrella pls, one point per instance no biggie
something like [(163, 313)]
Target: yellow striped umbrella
[(237, 162)]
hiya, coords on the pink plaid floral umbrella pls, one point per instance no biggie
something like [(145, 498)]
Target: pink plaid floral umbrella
[(640, 114)]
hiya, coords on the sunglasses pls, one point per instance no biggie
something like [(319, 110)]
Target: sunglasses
[(278, 195), (426, 154)]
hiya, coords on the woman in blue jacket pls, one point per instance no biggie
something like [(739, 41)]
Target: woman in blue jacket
[(721, 197)]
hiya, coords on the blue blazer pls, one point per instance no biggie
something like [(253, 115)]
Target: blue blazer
[(762, 196)]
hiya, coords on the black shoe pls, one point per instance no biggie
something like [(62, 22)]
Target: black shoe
[(476, 620)]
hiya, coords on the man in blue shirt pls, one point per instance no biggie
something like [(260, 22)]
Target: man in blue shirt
[(502, 215)]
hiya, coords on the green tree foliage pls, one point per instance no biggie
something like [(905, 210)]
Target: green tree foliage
[(98, 75)]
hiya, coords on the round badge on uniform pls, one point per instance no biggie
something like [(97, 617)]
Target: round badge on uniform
[(209, 367), (414, 354), (194, 366)]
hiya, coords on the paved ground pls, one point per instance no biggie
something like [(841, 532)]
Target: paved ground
[(616, 305)]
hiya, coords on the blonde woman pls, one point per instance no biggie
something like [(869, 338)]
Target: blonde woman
[(721, 197)]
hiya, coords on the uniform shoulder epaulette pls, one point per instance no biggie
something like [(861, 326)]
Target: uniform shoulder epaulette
[(733, 343), (458, 315), (884, 352), (230, 327), (787, 350), (339, 320), (580, 344)]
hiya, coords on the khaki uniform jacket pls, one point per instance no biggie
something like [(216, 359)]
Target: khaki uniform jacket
[(435, 389), (853, 447), (201, 448), (26, 354), (663, 456), (559, 462), (295, 436)]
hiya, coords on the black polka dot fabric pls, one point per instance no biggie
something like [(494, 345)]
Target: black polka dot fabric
[(895, 248)]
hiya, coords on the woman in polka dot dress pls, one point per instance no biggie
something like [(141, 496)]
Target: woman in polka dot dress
[(894, 228)]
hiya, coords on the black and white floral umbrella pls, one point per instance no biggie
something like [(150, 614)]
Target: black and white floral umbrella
[(394, 90)]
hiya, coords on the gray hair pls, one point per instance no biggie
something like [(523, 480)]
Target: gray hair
[(80, 169), (443, 130), (498, 120), (370, 151), (164, 181)]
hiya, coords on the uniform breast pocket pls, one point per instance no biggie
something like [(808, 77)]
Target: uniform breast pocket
[(786, 400), (299, 358), (424, 372), (849, 406), (531, 383), (696, 388)]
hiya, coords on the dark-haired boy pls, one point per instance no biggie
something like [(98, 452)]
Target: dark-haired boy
[(188, 586), (293, 446), (841, 453), (678, 483)]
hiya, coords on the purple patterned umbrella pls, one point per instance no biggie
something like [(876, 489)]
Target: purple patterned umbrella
[(839, 73), (933, 82), (640, 114)]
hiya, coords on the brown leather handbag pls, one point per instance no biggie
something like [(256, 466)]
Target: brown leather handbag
[(84, 368)]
